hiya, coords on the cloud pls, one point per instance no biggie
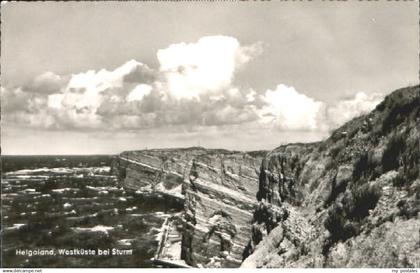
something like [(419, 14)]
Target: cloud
[(287, 109), (348, 108), (19, 100), (139, 92), (99, 81), (16, 99), (76, 105), (46, 83), (192, 87), (206, 66)]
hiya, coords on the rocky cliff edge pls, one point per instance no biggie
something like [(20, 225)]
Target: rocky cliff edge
[(352, 200), (218, 189)]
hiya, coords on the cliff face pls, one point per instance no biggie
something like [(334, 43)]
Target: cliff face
[(161, 171), (220, 198), (218, 188), (350, 201)]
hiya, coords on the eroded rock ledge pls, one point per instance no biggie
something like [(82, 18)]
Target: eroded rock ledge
[(218, 188)]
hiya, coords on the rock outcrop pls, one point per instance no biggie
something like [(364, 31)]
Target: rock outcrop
[(218, 188), (220, 199), (160, 171), (352, 200)]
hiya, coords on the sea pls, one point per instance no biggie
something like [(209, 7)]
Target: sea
[(54, 208)]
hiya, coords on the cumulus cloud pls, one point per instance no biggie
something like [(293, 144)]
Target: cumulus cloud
[(139, 92), (205, 66), (191, 87), (289, 110), (46, 83), (348, 108)]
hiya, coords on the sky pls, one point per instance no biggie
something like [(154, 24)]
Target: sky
[(104, 77)]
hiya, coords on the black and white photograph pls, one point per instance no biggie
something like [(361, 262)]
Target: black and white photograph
[(210, 134)]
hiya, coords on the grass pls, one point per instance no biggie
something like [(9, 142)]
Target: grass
[(344, 220), (360, 167), (393, 151), (362, 199)]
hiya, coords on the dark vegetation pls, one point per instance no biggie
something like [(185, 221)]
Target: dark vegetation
[(393, 151), (365, 168), (409, 160), (336, 189), (407, 210), (394, 119), (360, 201), (373, 144), (361, 167), (398, 108), (344, 219)]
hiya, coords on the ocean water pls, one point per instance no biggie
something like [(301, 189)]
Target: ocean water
[(72, 203)]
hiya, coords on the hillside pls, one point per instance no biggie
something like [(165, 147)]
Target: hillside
[(350, 201)]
